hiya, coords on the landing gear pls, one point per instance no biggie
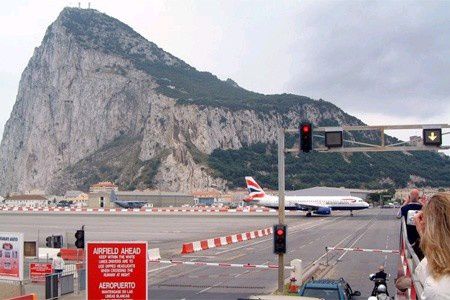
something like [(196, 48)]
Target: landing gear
[(351, 213), (308, 214)]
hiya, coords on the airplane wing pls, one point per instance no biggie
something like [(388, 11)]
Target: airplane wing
[(317, 209), (306, 206)]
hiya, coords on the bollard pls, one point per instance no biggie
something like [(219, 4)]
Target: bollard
[(293, 287), (297, 274)]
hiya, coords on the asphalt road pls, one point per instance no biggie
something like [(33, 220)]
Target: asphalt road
[(307, 239)]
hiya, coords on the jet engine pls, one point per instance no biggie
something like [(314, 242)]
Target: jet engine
[(323, 211)]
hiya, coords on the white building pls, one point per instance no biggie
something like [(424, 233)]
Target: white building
[(27, 200), (330, 191)]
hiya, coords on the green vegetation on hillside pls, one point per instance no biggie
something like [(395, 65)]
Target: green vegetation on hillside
[(117, 162), (177, 80), (374, 170)]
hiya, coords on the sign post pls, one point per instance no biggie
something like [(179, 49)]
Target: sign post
[(11, 255), (281, 214), (116, 270)]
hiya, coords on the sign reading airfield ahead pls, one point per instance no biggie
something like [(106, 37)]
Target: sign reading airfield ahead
[(116, 270)]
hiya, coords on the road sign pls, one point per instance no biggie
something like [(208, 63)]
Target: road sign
[(333, 139), (116, 270), (432, 137), (38, 271), (11, 256)]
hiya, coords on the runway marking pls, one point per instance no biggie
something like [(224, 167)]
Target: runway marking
[(236, 276), (200, 256), (208, 288), (322, 256), (365, 231), (158, 269)]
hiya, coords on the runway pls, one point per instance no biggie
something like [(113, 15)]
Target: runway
[(307, 239)]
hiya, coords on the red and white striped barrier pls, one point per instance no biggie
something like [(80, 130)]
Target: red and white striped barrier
[(363, 250), (142, 210), (224, 265), (224, 240)]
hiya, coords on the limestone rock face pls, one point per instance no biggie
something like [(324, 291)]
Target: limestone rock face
[(86, 88)]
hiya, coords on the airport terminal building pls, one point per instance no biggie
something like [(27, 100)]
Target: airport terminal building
[(111, 197), (330, 191)]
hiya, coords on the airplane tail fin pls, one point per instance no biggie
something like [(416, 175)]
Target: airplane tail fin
[(254, 190)]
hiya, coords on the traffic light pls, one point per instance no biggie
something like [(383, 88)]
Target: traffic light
[(49, 242), (279, 239), (432, 137), (79, 235), (305, 137), (57, 241)]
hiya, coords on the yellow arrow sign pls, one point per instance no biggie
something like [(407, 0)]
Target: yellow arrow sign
[(432, 136)]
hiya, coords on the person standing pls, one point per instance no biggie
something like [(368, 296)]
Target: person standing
[(412, 203), (433, 225), (58, 263)]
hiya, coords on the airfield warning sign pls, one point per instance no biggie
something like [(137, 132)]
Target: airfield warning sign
[(116, 270)]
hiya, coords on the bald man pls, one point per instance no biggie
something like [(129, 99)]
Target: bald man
[(412, 204), (381, 274)]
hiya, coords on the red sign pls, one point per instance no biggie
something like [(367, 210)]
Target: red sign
[(39, 270), (116, 270)]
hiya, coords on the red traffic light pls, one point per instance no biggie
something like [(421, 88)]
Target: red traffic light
[(306, 128), (280, 232)]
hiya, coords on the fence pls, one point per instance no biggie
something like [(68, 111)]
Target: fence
[(409, 261)]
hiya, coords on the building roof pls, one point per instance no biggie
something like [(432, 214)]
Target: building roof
[(73, 194), (326, 191), (26, 197), (104, 184), (149, 193), (207, 193)]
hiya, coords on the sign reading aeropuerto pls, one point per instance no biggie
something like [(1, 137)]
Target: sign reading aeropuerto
[(116, 270), (11, 255)]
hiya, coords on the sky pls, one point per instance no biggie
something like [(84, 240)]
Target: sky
[(385, 62)]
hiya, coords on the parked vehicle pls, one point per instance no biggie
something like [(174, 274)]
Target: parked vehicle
[(328, 289)]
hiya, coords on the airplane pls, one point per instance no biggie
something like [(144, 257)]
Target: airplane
[(320, 205)]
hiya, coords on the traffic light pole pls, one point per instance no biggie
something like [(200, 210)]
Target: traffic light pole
[(281, 193)]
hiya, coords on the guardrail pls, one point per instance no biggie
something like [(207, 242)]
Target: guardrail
[(409, 262)]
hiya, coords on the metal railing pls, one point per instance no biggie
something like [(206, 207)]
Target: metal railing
[(409, 257)]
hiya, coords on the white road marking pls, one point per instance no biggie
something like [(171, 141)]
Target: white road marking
[(208, 288), (365, 231), (322, 256), (158, 269)]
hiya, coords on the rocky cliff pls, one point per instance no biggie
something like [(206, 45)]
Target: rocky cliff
[(98, 101)]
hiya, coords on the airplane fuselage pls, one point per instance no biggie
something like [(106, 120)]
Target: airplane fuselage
[(306, 202)]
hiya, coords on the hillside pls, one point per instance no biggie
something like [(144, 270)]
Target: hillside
[(97, 101)]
